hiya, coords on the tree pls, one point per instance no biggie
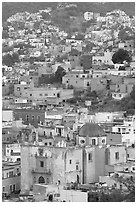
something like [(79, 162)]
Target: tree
[(79, 37), (120, 56), (45, 16), (72, 100), (15, 57), (86, 61), (74, 52), (132, 94), (7, 48), (130, 184), (59, 74), (93, 197), (5, 34), (31, 60), (88, 47), (126, 34), (128, 103), (92, 94), (61, 58), (10, 60), (37, 25)]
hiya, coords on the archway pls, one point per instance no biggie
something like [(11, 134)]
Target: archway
[(41, 179)]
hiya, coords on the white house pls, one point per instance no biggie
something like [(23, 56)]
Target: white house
[(7, 115), (118, 96), (103, 58), (107, 117), (127, 130), (88, 15), (13, 152)]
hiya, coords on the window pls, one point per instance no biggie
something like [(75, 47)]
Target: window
[(3, 189), (45, 143), (11, 174), (76, 167), (38, 118), (44, 133), (58, 95), (18, 88), (10, 188), (33, 118), (127, 155), (115, 95), (50, 143), (119, 95), (46, 94), (76, 76), (88, 84), (119, 130), (41, 179), (14, 187), (40, 94), (90, 156), (70, 161), (18, 159), (41, 163), (30, 94), (27, 118), (103, 141), (117, 155), (93, 142), (82, 141)]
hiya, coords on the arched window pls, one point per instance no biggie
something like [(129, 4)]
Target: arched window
[(99, 61), (41, 179)]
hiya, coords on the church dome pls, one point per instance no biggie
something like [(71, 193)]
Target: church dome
[(91, 130)]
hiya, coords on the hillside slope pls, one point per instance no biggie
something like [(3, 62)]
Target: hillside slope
[(10, 8)]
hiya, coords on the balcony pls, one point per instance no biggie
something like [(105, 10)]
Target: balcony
[(40, 155), (11, 176), (41, 171)]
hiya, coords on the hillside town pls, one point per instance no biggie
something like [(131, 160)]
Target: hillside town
[(68, 106)]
